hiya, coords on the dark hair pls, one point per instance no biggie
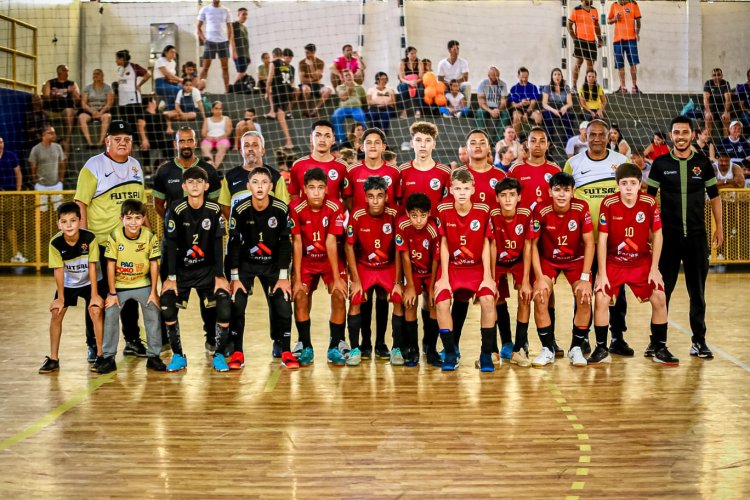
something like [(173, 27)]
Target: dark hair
[(374, 130), (522, 69), (167, 49), (628, 171), (507, 184), (250, 110), (660, 135), (376, 183), (418, 201), (590, 92), (619, 134), (287, 53), (562, 179), (477, 131), (69, 207), (552, 81), (321, 123), (681, 119), (315, 174), (423, 127), (379, 74), (310, 47), (425, 61), (452, 43), (389, 155), (187, 80), (537, 128), (277, 52), (349, 45), (242, 9), (129, 207), (259, 171), (406, 53), (123, 54), (194, 173)]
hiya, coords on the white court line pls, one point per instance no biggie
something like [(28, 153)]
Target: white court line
[(714, 348)]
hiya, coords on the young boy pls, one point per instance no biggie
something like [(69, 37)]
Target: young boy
[(628, 221), (465, 267), (563, 241), (418, 247), (132, 254), (423, 174), (316, 222), (259, 247), (512, 251), (73, 254), (195, 261)]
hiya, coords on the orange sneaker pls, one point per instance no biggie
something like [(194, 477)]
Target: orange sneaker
[(236, 361), (289, 361)]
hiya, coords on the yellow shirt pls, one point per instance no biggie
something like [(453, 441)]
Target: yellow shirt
[(132, 257), (592, 104)]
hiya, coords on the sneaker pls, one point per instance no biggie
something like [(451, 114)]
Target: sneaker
[(50, 365), (219, 362), (288, 360), (701, 350), (485, 363), (297, 349), (586, 347), (108, 365), (635, 90), (621, 90), (433, 358), (355, 357), (600, 355), (135, 348), (497, 360), (366, 352), (576, 357), (450, 362), (397, 359), (18, 258), (162, 106), (335, 357), (442, 354), (277, 349), (649, 352), (381, 351), (306, 356), (546, 357), (344, 349), (155, 363), (411, 357), (96, 364), (559, 352), (237, 360), (664, 357), (520, 358), (621, 348), (210, 348), (506, 351), (178, 362), (91, 354)]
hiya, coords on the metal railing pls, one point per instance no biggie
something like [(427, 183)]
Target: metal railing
[(14, 80)]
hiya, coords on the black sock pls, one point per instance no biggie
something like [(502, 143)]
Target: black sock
[(397, 324), (286, 342), (425, 328), (337, 334), (522, 336), (601, 335), (488, 339), (237, 340), (222, 338), (411, 334), (434, 329), (659, 335), (503, 323), (173, 331), (459, 310), (446, 337), (355, 325), (303, 330), (579, 336), (381, 320), (365, 311), (546, 338), (551, 311)]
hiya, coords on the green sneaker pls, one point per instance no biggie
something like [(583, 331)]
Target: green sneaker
[(306, 356), (336, 357), (355, 357), (397, 359)]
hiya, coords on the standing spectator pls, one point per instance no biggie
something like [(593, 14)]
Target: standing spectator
[(510, 140), (455, 68), (218, 38), (216, 131), (153, 136), (245, 125), (96, 101), (60, 96), (704, 144), (47, 162), (11, 179), (639, 161), (734, 145), (626, 16), (410, 73), (717, 101), (617, 142), (352, 99), (190, 71), (187, 106), (166, 81), (657, 148), (591, 97), (350, 60), (587, 37), (743, 96), (524, 99), (381, 102), (280, 91), (729, 175), (129, 99), (455, 102), (578, 143), (557, 105), (311, 80), (265, 63), (241, 45), (492, 96)]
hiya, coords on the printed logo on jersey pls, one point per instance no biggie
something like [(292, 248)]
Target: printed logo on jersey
[(519, 229), (603, 219), (475, 225), (349, 231), (434, 184), (222, 227), (387, 229), (493, 183), (426, 244), (399, 240), (572, 226), (325, 221), (536, 226), (697, 171), (206, 224), (291, 223), (640, 217), (388, 180), (84, 248), (547, 177), (232, 223), (333, 174), (171, 226), (272, 222), (121, 247)]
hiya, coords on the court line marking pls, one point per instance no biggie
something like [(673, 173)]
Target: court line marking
[(714, 348), (273, 380)]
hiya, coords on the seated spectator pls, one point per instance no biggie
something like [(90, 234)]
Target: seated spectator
[(47, 165), (154, 141), (717, 101), (311, 81), (492, 96), (557, 106), (245, 125), (349, 156), (130, 79), (427, 65), (352, 99), (639, 161), (509, 140), (456, 102), (188, 105), (217, 128), (591, 97), (354, 140), (455, 68), (463, 155), (350, 60), (735, 145), (743, 97), (60, 97), (190, 70), (704, 144), (506, 157), (410, 88), (729, 175), (166, 81), (284, 161), (657, 148), (97, 100), (617, 142), (577, 143), (381, 103), (746, 171), (262, 79), (11, 179), (524, 101)]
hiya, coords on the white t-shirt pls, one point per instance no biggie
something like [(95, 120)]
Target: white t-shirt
[(215, 21), (195, 93), (454, 102), (163, 62), (575, 145), (453, 71)]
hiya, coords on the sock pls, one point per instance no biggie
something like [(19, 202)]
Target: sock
[(173, 331), (433, 329), (458, 313), (397, 324), (365, 311), (286, 342), (551, 311), (303, 330), (580, 334), (659, 335), (503, 323), (546, 337), (337, 334), (488, 339), (446, 336), (601, 335), (237, 340), (355, 325), (381, 320), (222, 338), (522, 336), (411, 335), (425, 328)]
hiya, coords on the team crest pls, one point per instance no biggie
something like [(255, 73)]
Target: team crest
[(399, 240), (614, 167), (349, 231), (206, 224), (640, 217), (434, 184), (325, 222), (572, 226), (697, 171), (547, 177), (121, 247), (291, 223), (519, 229), (84, 248), (232, 223), (493, 183), (603, 219), (426, 244), (387, 229), (170, 226), (333, 174), (474, 225), (388, 180), (272, 222)]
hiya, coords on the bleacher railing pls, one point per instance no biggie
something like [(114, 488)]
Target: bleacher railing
[(21, 77)]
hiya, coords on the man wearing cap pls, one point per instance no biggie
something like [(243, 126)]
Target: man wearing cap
[(104, 183), (734, 145), (578, 143)]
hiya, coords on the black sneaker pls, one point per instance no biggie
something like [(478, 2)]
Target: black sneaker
[(701, 350), (433, 358), (600, 355), (559, 353), (586, 347), (411, 357), (649, 352), (155, 363), (210, 348), (621, 348), (663, 356), (382, 351), (135, 348), (50, 365), (91, 354), (108, 365), (277, 348), (367, 351), (96, 364)]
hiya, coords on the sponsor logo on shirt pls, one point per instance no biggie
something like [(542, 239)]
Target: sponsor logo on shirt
[(475, 225), (333, 175), (640, 217), (434, 184), (387, 229)]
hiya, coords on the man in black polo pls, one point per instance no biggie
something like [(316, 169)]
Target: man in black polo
[(684, 179)]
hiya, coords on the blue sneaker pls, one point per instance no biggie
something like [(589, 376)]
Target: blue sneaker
[(336, 357), (91, 354), (220, 363), (450, 362), (179, 362), (442, 354), (506, 351), (485, 363), (306, 356)]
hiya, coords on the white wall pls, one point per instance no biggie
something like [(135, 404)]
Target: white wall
[(726, 40)]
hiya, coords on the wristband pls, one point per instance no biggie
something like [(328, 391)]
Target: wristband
[(112, 294), (585, 276), (284, 274), (234, 274), (172, 277)]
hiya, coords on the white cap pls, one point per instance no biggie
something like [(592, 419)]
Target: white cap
[(735, 122), (583, 124)]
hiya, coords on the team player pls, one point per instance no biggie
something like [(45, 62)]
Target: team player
[(629, 222), (418, 247), (465, 267), (423, 174), (259, 247), (512, 250), (322, 140), (316, 222), (73, 254), (563, 241)]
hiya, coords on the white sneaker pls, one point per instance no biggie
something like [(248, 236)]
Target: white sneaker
[(397, 359), (546, 357), (576, 357), (297, 350), (354, 358), (344, 348), (162, 106), (19, 258)]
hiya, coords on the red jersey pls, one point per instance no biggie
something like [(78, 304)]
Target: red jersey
[(484, 185), (534, 182), (433, 182), (628, 229), (315, 226), (561, 235), (510, 234), (465, 234), (358, 174), (335, 171), (374, 238), (423, 246)]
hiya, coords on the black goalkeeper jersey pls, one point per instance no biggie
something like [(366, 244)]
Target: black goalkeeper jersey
[(259, 238)]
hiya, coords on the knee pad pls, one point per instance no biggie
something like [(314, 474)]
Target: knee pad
[(168, 301), (281, 306), (223, 306)]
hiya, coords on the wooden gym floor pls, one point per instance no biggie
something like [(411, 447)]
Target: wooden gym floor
[(630, 429)]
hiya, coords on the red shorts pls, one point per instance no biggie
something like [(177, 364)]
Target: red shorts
[(501, 278), (465, 282), (312, 270), (636, 277), (572, 270), (421, 283)]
